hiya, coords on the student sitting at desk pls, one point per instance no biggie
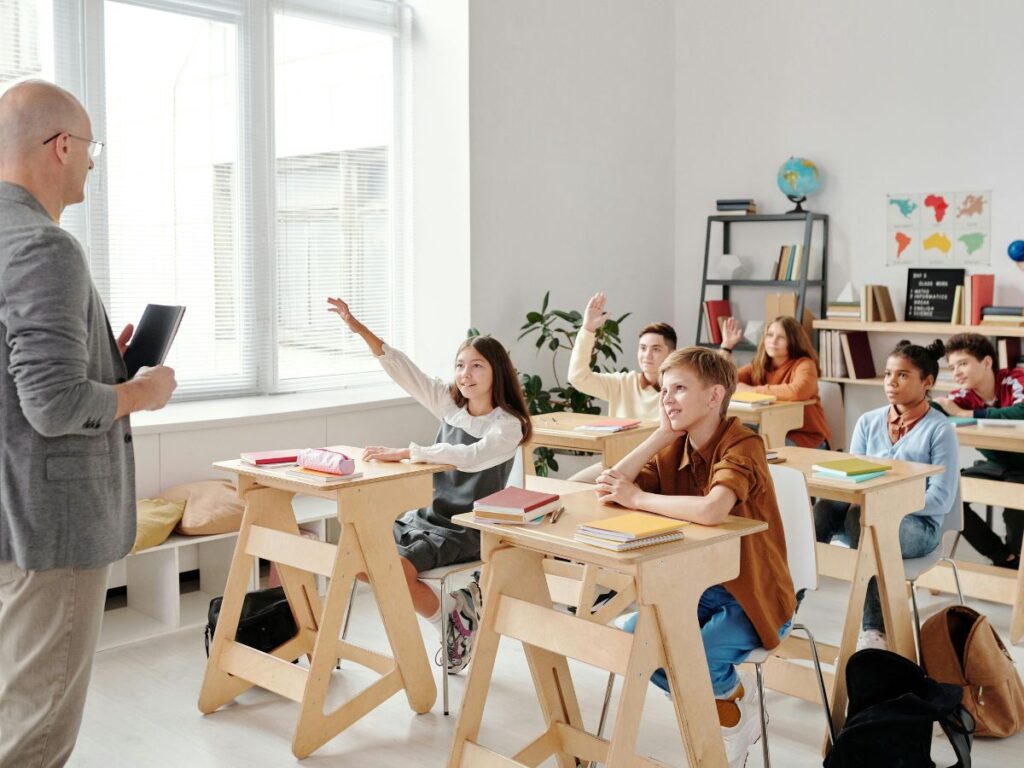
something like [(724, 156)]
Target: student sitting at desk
[(483, 421), (630, 394), (910, 430), (702, 466), (987, 393), (785, 365)]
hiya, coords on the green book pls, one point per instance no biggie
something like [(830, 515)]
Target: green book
[(849, 478), (850, 467)]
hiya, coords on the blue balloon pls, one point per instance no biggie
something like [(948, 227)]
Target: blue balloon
[(1016, 250)]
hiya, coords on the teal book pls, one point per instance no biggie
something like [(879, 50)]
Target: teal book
[(962, 421), (849, 479)]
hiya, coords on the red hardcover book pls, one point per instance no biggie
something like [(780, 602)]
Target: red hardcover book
[(983, 289), (512, 500), (718, 310), (270, 457), (857, 350)]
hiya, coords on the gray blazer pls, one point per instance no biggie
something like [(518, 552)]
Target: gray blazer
[(67, 469)]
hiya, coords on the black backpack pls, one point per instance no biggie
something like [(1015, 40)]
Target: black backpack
[(893, 705), (266, 621)]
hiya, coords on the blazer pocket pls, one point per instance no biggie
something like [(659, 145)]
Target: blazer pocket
[(80, 466)]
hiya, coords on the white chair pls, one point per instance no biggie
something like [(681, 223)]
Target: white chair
[(798, 527), (915, 568), (831, 395)]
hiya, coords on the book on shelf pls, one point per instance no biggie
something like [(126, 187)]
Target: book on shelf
[(261, 458), (876, 304), (736, 206), (715, 313), (516, 506), (319, 477), (856, 348), (843, 310), (958, 306), (1007, 320), (744, 201), (1009, 351), (847, 479), (609, 425), (850, 467), (624, 546), (1005, 310), (751, 399), (982, 292), (835, 364), (791, 258), (631, 526)]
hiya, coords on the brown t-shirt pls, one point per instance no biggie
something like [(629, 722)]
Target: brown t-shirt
[(735, 457)]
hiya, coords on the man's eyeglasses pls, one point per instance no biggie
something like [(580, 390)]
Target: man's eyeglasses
[(95, 147)]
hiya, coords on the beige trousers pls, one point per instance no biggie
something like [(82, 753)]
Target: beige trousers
[(49, 623)]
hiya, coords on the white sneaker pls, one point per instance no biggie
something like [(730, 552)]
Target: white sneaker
[(742, 736), (872, 638)]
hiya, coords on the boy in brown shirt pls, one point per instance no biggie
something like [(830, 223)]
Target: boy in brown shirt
[(702, 466)]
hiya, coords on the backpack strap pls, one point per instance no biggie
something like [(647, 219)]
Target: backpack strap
[(959, 729)]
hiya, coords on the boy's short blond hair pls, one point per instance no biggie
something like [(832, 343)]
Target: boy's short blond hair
[(709, 366)]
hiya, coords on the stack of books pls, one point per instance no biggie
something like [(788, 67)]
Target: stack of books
[(751, 400), (270, 458), (630, 531), (977, 292), (736, 206), (843, 310), (515, 506), (609, 425), (833, 364), (850, 470), (790, 264), (1003, 315), (716, 312)]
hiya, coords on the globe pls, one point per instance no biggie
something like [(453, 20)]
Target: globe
[(1016, 253), (798, 178)]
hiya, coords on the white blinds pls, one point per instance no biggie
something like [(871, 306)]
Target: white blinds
[(255, 164)]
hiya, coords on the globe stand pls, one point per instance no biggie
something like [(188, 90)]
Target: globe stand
[(798, 200)]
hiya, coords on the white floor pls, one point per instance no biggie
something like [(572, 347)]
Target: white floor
[(142, 709)]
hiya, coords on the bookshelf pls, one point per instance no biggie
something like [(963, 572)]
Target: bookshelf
[(941, 386), (798, 286)]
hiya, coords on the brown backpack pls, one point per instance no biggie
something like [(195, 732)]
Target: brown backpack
[(959, 646)]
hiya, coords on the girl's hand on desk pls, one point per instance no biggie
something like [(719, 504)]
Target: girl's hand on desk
[(741, 387), (613, 487), (382, 453)]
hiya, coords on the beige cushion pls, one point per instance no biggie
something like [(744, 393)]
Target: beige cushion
[(156, 519), (211, 506)]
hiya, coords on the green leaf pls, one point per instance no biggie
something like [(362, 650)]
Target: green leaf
[(553, 345), (576, 316), (534, 317), (540, 341), (544, 306), (562, 315)]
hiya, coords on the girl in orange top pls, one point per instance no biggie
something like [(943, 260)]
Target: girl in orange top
[(785, 365)]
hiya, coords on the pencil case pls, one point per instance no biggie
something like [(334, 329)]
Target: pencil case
[(326, 460)]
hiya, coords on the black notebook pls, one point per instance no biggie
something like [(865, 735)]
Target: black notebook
[(153, 337)]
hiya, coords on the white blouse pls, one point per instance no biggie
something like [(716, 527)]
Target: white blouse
[(499, 432)]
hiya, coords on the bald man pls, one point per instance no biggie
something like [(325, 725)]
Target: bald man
[(67, 471)]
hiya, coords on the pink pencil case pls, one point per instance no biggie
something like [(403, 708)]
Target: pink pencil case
[(326, 460)]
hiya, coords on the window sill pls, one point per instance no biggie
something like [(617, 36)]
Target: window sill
[(211, 414)]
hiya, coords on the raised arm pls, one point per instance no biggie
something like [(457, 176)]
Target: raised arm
[(580, 374)]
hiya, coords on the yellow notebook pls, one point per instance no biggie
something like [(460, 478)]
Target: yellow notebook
[(752, 397), (847, 467), (631, 526)]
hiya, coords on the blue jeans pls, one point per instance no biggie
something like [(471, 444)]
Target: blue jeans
[(837, 519), (728, 637), (822, 447)]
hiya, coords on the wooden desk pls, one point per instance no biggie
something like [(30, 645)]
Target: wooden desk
[(884, 502), (558, 430), (367, 506), (669, 580), (774, 421), (988, 582)]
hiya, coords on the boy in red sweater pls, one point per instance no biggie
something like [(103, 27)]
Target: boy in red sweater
[(985, 392)]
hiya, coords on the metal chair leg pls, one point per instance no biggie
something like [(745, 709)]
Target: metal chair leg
[(759, 669), (604, 707), (917, 617), (956, 543), (444, 645), (821, 679), (956, 577), (348, 615)]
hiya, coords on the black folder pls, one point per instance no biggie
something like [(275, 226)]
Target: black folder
[(153, 337)]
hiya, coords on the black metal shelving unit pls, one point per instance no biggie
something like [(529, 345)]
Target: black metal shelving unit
[(799, 285)]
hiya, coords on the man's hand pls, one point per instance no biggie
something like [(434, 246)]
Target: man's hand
[(951, 408), (594, 315), (124, 338), (382, 453), (613, 487), (148, 391)]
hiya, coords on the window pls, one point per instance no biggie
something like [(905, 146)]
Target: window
[(254, 166)]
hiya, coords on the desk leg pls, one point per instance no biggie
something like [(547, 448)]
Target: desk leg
[(528, 466), (272, 509), (516, 573), (1017, 620)]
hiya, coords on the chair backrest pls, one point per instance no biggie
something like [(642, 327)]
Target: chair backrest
[(797, 524), (831, 395), (517, 478)]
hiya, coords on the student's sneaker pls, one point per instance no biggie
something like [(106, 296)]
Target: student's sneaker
[(872, 638), (463, 623), (742, 736)]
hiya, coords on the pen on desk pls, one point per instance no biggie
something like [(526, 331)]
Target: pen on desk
[(556, 514)]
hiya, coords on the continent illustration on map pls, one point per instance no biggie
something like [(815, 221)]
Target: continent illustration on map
[(973, 241), (971, 205), (902, 241), (905, 205), (938, 204), (938, 241)]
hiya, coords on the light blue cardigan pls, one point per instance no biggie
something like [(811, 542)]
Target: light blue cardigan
[(931, 441)]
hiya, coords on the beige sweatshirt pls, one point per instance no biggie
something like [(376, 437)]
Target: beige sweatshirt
[(626, 394)]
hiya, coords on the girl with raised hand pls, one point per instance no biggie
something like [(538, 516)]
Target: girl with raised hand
[(484, 419)]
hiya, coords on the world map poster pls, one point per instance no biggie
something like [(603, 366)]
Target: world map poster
[(939, 228)]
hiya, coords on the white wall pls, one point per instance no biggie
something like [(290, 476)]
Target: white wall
[(885, 97), (571, 131)]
